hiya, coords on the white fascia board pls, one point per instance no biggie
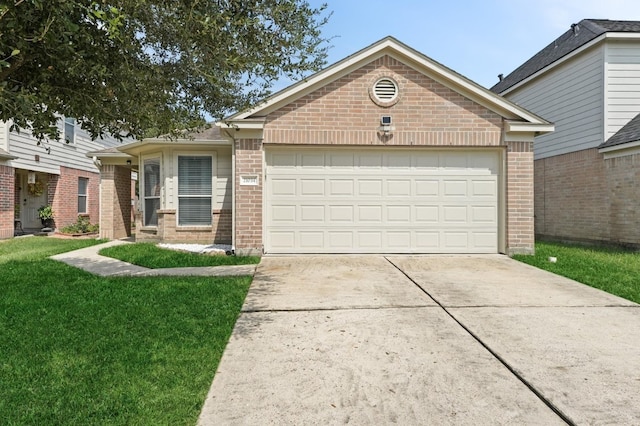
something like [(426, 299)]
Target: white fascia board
[(519, 127), (570, 55), (239, 123)]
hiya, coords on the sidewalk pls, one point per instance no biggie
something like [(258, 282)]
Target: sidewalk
[(89, 260)]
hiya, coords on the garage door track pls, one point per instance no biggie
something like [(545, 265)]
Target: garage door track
[(426, 340)]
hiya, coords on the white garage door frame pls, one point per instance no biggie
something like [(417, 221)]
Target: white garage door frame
[(269, 149)]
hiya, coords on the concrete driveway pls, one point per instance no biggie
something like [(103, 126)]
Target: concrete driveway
[(426, 340)]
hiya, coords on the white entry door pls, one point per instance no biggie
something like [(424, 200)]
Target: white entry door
[(381, 201)]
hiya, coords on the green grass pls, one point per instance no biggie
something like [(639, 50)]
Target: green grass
[(615, 271), (80, 349), (151, 256)]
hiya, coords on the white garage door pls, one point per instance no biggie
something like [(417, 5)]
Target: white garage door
[(381, 201)]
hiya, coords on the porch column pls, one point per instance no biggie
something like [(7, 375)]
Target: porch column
[(115, 202)]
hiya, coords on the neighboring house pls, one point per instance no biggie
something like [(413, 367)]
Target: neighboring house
[(386, 151), (586, 173), (56, 173)]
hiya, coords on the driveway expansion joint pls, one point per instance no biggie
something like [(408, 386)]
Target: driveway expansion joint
[(346, 308), (493, 353)]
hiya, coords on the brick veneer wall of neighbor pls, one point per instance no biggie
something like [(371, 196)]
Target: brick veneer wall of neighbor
[(427, 114), (63, 196), (7, 201), (583, 197)]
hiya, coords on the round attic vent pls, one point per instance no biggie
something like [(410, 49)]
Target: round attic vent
[(385, 90)]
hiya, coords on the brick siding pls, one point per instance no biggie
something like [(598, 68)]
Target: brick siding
[(623, 176), (249, 198), (7, 201), (218, 233), (116, 202), (519, 198), (427, 114), (572, 197), (342, 112), (63, 196)]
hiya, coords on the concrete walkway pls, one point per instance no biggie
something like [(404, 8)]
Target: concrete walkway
[(89, 260), (426, 340)]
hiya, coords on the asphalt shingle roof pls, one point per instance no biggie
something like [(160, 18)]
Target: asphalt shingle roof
[(579, 35), (629, 133)]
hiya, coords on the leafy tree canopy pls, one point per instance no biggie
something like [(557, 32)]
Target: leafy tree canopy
[(124, 67)]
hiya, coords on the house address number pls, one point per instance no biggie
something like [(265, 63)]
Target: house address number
[(251, 180)]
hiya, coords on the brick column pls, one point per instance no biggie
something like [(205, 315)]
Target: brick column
[(520, 233), (248, 212), (7, 200), (115, 202)]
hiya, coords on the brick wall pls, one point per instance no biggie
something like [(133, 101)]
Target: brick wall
[(218, 233), (7, 201), (572, 197), (426, 114), (116, 202), (249, 198), (342, 112), (63, 196), (519, 198), (623, 177)]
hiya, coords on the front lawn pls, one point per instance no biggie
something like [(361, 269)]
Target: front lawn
[(80, 349), (615, 271), (151, 256)]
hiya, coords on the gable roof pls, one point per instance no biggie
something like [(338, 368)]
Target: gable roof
[(629, 133), (577, 36), (254, 118)]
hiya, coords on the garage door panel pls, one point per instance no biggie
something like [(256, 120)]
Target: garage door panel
[(284, 214), (427, 188), (372, 160), (370, 214), (311, 240), (311, 160), (454, 188), (312, 213), (283, 187), (398, 187), (341, 160), (369, 239), (370, 187), (311, 187), (393, 201), (341, 187), (484, 214), (341, 214), (427, 214)]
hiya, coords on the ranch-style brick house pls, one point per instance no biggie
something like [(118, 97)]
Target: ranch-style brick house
[(587, 82), (386, 151)]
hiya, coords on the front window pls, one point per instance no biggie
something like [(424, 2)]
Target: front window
[(70, 130), (83, 185), (194, 190), (151, 177)]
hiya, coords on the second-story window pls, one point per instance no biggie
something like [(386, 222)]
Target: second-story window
[(70, 130)]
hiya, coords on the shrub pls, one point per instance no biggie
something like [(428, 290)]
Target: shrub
[(82, 226)]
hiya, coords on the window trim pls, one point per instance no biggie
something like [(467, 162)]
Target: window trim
[(85, 195), (176, 194), (73, 123), (143, 198)]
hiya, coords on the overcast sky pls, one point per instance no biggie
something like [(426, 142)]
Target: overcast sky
[(477, 38)]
